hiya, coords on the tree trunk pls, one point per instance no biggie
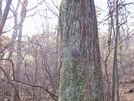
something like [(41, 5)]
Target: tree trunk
[(4, 16), (19, 48), (80, 74), (115, 78)]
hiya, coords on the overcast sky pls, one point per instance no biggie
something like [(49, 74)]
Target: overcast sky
[(44, 15)]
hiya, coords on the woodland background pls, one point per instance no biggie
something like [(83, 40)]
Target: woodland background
[(30, 49)]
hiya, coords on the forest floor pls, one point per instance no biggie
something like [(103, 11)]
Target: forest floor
[(127, 92)]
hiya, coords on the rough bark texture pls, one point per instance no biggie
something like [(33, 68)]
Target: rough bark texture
[(80, 78), (72, 81)]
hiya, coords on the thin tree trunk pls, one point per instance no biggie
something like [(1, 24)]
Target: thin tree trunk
[(4, 16), (19, 46), (115, 78), (117, 36)]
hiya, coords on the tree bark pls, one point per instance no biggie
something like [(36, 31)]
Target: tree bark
[(115, 78), (19, 47), (4, 16), (80, 77)]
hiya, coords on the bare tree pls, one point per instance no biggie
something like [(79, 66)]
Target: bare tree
[(4, 16), (19, 46)]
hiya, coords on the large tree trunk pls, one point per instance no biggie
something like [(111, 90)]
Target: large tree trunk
[(80, 75)]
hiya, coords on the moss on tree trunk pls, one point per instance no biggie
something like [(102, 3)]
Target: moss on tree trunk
[(80, 77)]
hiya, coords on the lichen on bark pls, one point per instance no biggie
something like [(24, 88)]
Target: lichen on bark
[(72, 82), (80, 77)]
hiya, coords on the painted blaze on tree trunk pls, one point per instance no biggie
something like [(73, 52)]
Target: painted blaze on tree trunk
[(80, 77)]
